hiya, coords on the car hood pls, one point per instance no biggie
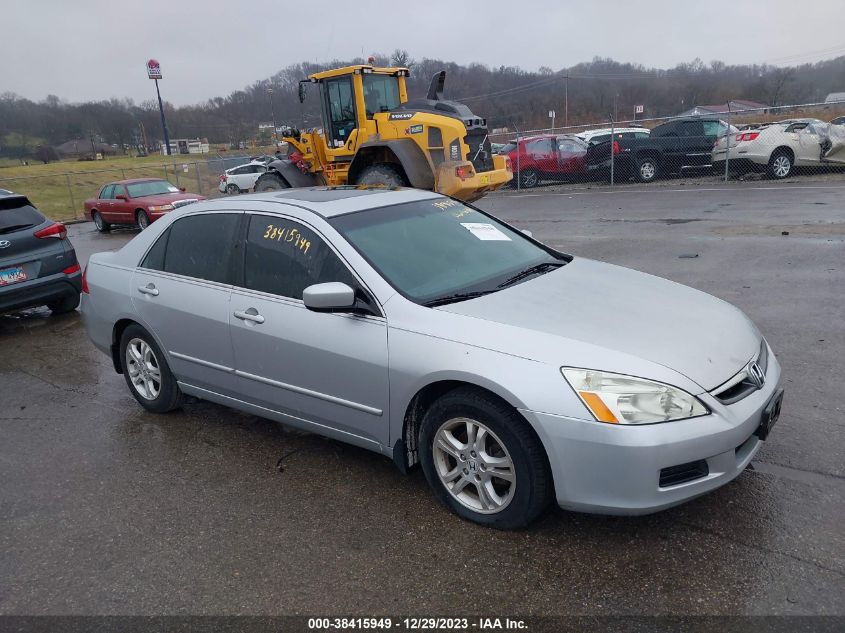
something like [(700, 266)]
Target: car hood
[(168, 198), (690, 332)]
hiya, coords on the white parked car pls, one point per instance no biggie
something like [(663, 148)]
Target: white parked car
[(777, 148), (241, 178), (593, 137)]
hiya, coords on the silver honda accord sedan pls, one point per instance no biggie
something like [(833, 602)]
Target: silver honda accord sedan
[(421, 328)]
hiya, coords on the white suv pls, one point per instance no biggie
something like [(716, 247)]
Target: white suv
[(593, 137), (241, 178)]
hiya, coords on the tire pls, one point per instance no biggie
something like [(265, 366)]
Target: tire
[(646, 169), (270, 181), (780, 165), (64, 305), (142, 219), (100, 223), (232, 189), (381, 174), (508, 439), (529, 178), (137, 344)]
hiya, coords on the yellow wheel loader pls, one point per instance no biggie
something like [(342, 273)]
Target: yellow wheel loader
[(372, 135)]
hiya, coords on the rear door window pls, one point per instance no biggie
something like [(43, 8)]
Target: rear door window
[(691, 128), (284, 257), (198, 246), (106, 193), (17, 214)]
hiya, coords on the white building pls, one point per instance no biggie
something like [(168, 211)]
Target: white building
[(186, 146)]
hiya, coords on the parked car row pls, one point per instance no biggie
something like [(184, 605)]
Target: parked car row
[(693, 144)]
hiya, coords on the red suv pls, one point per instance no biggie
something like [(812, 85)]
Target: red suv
[(546, 157)]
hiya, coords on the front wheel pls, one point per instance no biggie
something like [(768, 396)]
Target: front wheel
[(100, 223), (146, 371), (483, 461), (529, 178), (142, 218)]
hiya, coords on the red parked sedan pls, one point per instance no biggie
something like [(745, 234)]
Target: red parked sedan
[(546, 157), (137, 201)]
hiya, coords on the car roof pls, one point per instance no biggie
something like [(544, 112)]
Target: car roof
[(130, 181), (329, 202)]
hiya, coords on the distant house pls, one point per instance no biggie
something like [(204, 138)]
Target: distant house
[(834, 96), (722, 108), (84, 148), (187, 146)]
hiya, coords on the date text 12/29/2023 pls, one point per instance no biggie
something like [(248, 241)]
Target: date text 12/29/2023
[(417, 624)]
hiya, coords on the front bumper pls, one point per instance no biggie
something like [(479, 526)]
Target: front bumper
[(475, 186), (39, 291), (615, 469)]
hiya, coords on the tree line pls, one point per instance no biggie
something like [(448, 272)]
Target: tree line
[(507, 96)]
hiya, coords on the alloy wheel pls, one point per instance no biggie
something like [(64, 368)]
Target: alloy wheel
[(144, 369), (143, 220), (647, 170), (474, 466), (98, 221), (781, 166)]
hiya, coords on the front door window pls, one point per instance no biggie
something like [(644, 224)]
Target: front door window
[(340, 104)]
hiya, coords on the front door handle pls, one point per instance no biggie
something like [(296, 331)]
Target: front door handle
[(149, 289), (250, 314)]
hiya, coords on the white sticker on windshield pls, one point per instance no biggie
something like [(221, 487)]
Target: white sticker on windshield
[(485, 231)]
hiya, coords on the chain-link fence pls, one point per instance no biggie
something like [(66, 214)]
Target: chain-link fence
[(61, 195), (722, 144)]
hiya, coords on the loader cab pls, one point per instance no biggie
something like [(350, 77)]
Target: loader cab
[(350, 98)]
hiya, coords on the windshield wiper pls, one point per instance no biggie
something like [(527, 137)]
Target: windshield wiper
[(454, 298), (14, 227), (537, 269)]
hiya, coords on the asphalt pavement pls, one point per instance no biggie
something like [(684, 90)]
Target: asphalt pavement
[(107, 509)]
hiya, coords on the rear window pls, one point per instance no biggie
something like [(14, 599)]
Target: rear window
[(17, 214)]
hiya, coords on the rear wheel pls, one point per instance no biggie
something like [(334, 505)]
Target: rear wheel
[(146, 371), (270, 181), (529, 178), (232, 189), (780, 165), (100, 223), (646, 169), (383, 174), (483, 461), (142, 218), (64, 305)]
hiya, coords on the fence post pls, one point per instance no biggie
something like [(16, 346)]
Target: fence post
[(70, 191), (612, 161), (199, 183), (123, 173), (728, 142)]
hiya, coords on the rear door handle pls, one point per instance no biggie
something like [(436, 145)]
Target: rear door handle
[(149, 289), (250, 314)]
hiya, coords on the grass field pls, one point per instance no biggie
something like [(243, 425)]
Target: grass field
[(60, 188)]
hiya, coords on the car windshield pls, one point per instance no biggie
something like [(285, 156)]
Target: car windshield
[(150, 188), (440, 250)]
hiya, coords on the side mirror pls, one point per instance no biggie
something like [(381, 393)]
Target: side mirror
[(527, 232), (329, 296), (120, 196), (301, 92)]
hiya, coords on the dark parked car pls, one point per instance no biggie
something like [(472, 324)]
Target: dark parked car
[(38, 265), (671, 148), (546, 157), (137, 201)]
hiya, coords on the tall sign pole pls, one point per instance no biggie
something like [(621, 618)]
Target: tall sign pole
[(154, 73)]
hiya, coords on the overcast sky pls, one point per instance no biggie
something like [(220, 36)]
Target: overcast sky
[(96, 49)]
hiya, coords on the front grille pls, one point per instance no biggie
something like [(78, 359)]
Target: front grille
[(480, 150), (682, 473), (740, 385)]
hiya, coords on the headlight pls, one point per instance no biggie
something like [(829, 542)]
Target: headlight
[(159, 209), (619, 399)]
